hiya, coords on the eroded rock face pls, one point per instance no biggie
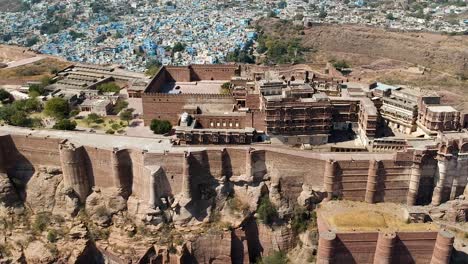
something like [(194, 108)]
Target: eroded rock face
[(8, 195), (101, 205), (41, 189), (212, 248), (67, 203), (37, 252)]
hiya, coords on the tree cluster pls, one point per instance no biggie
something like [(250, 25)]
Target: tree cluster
[(110, 87), (280, 51), (160, 126), (17, 113)]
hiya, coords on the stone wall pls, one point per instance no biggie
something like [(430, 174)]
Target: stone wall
[(373, 177), (169, 106), (383, 247)]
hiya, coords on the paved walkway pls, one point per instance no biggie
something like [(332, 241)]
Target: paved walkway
[(22, 62)]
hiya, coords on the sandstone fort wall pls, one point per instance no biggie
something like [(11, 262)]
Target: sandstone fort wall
[(368, 180)]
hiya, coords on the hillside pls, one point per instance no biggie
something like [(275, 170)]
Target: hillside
[(436, 51)]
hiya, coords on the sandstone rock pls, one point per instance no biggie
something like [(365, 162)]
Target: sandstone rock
[(250, 194), (37, 252), (141, 211), (40, 191), (78, 232), (309, 197), (8, 195), (213, 247), (103, 204), (67, 202)]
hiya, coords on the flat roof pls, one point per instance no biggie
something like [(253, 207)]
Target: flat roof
[(441, 108), (201, 87)]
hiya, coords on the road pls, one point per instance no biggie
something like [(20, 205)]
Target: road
[(22, 62)]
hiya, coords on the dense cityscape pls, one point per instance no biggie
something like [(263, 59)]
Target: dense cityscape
[(136, 33)]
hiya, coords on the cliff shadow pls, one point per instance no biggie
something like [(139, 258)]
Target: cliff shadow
[(226, 164), (254, 245), (202, 185), (89, 168), (338, 182), (381, 185), (259, 166), (401, 253), (342, 253), (126, 172), (18, 167), (459, 257)]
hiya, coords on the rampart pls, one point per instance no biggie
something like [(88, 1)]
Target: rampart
[(383, 247), (404, 177)]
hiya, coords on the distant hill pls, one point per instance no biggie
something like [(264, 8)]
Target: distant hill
[(10, 5), (437, 51)]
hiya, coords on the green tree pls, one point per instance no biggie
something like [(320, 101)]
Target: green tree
[(160, 126), (92, 118), (178, 47), (36, 90), (65, 124), (28, 105), (4, 95), (110, 87), (20, 119), (390, 16), (119, 106), (267, 212), (127, 115), (57, 108)]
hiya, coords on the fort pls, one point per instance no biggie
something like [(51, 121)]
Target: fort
[(430, 174), (241, 104)]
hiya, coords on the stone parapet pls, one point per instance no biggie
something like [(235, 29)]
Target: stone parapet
[(372, 180), (74, 169), (384, 250), (326, 247), (443, 248)]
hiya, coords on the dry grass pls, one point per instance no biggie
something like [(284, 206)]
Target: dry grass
[(356, 216), (31, 72)]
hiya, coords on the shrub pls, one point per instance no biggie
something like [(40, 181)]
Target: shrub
[(340, 64), (110, 131), (115, 126), (52, 235), (160, 126), (41, 222), (277, 257), (266, 211), (4, 95), (65, 124), (300, 221)]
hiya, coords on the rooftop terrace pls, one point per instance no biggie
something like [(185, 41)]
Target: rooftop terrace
[(200, 87)]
